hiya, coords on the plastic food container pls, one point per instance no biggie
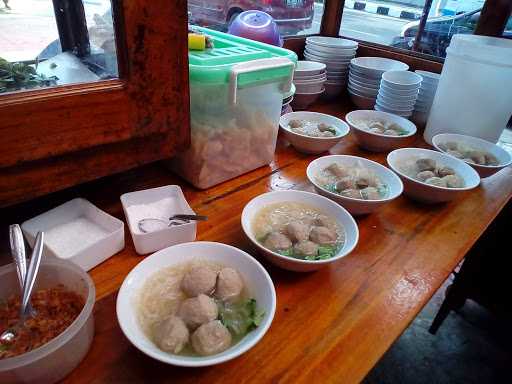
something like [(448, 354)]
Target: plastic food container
[(236, 95), (55, 359), (473, 96)]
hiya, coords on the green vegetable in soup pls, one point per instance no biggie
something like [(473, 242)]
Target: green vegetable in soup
[(241, 317), (324, 252)]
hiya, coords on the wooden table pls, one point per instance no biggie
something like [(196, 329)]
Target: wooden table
[(330, 326)]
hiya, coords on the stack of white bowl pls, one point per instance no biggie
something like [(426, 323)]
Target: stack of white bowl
[(425, 96), (336, 54), (309, 78), (364, 78), (398, 92)]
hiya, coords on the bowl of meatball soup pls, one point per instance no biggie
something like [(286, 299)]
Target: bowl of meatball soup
[(196, 304), (299, 231)]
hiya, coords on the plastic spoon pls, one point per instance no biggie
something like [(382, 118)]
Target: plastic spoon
[(151, 225)]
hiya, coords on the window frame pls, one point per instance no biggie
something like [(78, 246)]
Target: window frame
[(58, 137)]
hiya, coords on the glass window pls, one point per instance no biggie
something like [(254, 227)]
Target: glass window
[(292, 16), (55, 42), (395, 23)]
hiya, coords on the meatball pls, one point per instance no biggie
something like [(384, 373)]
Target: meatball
[(444, 171), (490, 159), (198, 310), (322, 127), (277, 241), (305, 248), (425, 164), (199, 280), (391, 132), (211, 338), (295, 124), (424, 175), (353, 193), (453, 181), (362, 182), (376, 130), (297, 231), (171, 334), (323, 236), (337, 170), (347, 182), (455, 153), (377, 125), (370, 193), (477, 156), (437, 181), (324, 221), (229, 285)]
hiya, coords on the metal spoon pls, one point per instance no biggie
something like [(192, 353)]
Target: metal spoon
[(18, 255), (9, 335), (151, 225)]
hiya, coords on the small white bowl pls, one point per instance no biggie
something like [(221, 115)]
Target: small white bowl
[(256, 278), (332, 42), (304, 100), (299, 77), (377, 142), (373, 77), (376, 66), (361, 101), (328, 59), (313, 87), (405, 107), (427, 193), (501, 155), (393, 92), (392, 102), (338, 55), (405, 114), (367, 92), (308, 144), (153, 241), (305, 68), (403, 80), (355, 206), (355, 81), (323, 204)]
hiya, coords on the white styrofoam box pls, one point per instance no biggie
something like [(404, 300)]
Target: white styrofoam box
[(154, 241), (77, 231)]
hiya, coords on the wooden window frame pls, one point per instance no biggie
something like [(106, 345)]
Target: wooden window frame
[(58, 137)]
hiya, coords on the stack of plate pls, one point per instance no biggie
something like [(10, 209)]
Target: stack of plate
[(287, 99), (364, 78), (336, 54), (425, 96), (398, 92), (309, 78)]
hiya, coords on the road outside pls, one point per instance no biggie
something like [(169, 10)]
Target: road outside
[(29, 26)]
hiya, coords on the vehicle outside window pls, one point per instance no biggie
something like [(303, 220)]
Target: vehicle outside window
[(396, 22), (292, 16)]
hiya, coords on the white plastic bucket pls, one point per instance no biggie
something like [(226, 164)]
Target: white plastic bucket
[(474, 96)]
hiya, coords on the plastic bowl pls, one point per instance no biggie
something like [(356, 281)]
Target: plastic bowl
[(376, 66), (305, 68), (361, 101), (256, 25), (308, 144), (254, 275), (503, 156), (55, 359), (355, 206), (323, 204), (377, 142), (403, 80), (427, 193)]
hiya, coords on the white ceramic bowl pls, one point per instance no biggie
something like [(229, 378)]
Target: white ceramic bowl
[(254, 275), (323, 204), (393, 92), (409, 107), (428, 76), (328, 59), (331, 42), (355, 71), (427, 193), (309, 87), (299, 77), (405, 114), (333, 89), (337, 55), (394, 103), (361, 101), (308, 144), (304, 67), (376, 66), (304, 100), (503, 156), (367, 92), (403, 80), (364, 84), (377, 142), (356, 206)]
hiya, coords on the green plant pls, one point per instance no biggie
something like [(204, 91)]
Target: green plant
[(15, 76)]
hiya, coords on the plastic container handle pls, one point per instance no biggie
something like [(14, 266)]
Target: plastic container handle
[(254, 66)]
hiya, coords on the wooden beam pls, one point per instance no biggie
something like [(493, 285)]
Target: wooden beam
[(494, 17), (331, 18)]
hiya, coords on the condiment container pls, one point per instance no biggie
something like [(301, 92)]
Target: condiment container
[(77, 231), (236, 95), (157, 203), (54, 360), (474, 94)]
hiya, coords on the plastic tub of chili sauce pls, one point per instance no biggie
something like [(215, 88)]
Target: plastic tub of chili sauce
[(54, 360)]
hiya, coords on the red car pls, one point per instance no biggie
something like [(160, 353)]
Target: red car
[(290, 15)]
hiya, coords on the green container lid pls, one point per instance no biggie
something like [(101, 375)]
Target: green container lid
[(216, 65)]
